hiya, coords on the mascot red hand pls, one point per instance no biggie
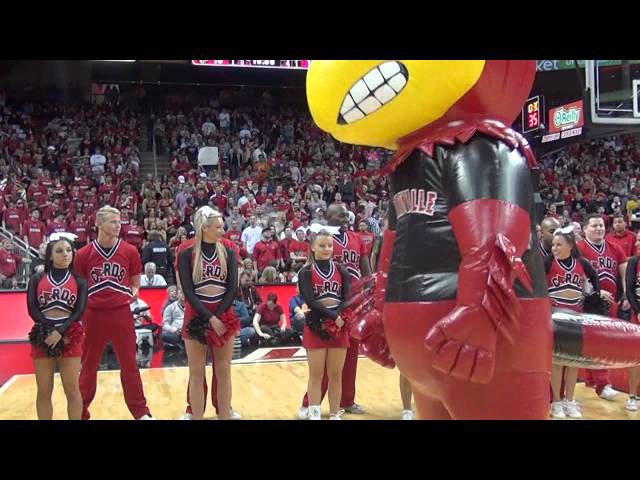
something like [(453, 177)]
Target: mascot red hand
[(463, 342), (370, 329)]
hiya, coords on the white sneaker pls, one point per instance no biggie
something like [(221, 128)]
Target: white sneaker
[(557, 410), (608, 393), (233, 415), (303, 413), (408, 415), (335, 417), (355, 409), (314, 412), (572, 409), (146, 417), (186, 416), (632, 404)]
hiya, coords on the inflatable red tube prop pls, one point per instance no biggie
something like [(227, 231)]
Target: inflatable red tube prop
[(594, 342)]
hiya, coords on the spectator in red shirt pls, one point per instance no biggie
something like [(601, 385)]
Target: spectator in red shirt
[(76, 194), (90, 200), (234, 234), (285, 244), (263, 195), (219, 199), (367, 237), (299, 250), (248, 208), (283, 205), (13, 218), (57, 225), (36, 191), (108, 187), (9, 264), (269, 316), (266, 250), (622, 237), (50, 211), (45, 179), (80, 228), (34, 230), (133, 233), (129, 200)]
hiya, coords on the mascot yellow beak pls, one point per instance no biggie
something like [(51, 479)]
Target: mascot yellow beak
[(377, 102)]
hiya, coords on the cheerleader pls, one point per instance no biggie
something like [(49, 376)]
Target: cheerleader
[(56, 301), (567, 273), (209, 279), (324, 286)]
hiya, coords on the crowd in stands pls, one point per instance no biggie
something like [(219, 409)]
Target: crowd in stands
[(275, 175), (599, 176)]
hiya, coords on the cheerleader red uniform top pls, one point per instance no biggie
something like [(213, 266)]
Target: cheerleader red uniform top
[(565, 279), (108, 272), (605, 259), (325, 286), (214, 294), (57, 298), (347, 250)]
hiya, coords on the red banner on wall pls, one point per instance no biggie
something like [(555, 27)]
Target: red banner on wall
[(16, 322)]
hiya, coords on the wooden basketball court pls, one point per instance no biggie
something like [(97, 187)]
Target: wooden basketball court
[(260, 391)]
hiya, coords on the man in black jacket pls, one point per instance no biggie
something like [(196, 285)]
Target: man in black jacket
[(158, 252)]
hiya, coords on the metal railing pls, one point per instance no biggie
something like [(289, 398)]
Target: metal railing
[(26, 251), (153, 140)]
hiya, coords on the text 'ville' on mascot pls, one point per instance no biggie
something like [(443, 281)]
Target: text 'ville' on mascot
[(461, 300)]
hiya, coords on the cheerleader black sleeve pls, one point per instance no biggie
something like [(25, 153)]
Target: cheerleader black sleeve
[(346, 288), (186, 280), (591, 273), (78, 310), (630, 282), (232, 283), (32, 299), (306, 290)]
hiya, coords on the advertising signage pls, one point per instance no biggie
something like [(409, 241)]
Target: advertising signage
[(556, 65), (566, 117), (565, 121)]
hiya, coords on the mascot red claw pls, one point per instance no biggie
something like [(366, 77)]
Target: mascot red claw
[(461, 302)]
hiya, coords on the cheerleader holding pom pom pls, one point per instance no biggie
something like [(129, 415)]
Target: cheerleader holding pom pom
[(209, 280), (325, 287), (56, 301)]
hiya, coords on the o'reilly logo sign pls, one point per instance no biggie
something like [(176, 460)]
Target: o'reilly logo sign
[(566, 117)]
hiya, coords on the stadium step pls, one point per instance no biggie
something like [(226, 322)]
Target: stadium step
[(147, 164), (144, 137)]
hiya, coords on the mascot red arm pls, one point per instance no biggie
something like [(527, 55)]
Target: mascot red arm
[(460, 301)]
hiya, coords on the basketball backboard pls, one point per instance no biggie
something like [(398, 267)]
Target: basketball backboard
[(612, 88)]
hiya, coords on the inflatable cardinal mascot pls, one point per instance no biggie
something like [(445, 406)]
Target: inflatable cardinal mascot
[(461, 301)]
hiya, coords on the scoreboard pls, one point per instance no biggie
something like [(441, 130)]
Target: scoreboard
[(532, 114), (282, 64)]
